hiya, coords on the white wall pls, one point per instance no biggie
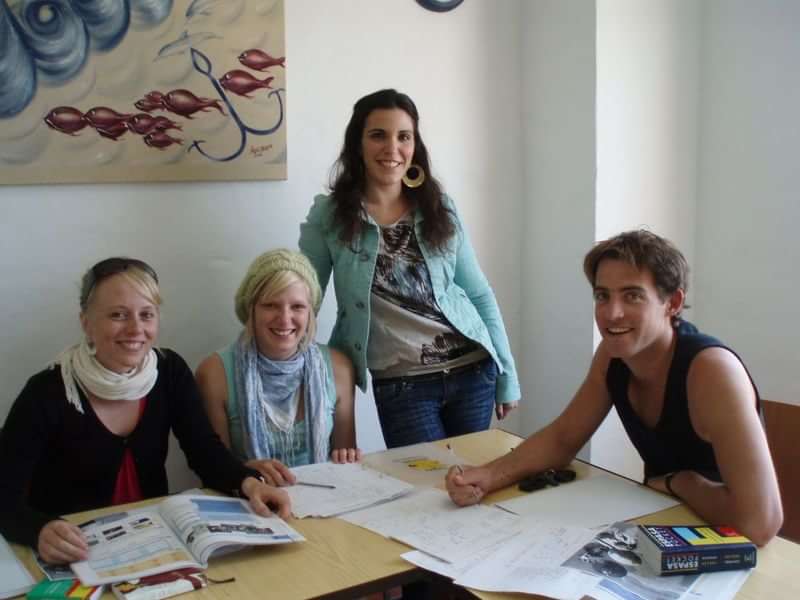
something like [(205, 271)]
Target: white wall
[(558, 218), (747, 243), (647, 122), (462, 68)]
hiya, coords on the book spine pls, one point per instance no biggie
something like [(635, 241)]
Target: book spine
[(707, 560)]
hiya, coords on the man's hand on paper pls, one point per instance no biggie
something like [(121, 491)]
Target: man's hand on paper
[(265, 499), (467, 485), (345, 455), (274, 471), (62, 542)]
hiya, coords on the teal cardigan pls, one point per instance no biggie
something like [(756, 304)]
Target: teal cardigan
[(459, 286)]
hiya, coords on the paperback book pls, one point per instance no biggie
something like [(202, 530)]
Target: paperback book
[(695, 549), (163, 585), (181, 532), (64, 589)]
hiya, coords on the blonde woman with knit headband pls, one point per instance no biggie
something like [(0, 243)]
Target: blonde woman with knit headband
[(276, 397), (92, 430)]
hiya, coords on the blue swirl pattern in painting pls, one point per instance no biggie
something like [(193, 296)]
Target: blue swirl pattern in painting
[(56, 38), (17, 69), (106, 20), (148, 13), (50, 40)]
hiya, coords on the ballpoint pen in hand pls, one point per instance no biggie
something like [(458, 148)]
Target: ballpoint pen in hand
[(326, 486), (460, 470)]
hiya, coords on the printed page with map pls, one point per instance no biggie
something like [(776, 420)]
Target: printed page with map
[(182, 531)]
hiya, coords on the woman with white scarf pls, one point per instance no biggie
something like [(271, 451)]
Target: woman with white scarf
[(92, 430), (276, 397)]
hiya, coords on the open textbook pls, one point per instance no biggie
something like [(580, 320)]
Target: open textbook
[(182, 531)]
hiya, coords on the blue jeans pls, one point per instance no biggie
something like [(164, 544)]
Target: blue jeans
[(425, 408)]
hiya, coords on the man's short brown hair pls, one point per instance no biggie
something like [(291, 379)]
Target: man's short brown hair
[(643, 249)]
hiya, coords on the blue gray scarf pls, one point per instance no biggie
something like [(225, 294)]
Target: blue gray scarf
[(267, 392)]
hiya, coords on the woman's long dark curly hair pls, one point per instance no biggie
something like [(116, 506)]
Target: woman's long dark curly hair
[(348, 176)]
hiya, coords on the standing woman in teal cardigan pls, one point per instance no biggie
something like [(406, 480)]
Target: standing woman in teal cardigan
[(414, 306)]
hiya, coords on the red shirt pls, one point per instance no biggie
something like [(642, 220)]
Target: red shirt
[(127, 489)]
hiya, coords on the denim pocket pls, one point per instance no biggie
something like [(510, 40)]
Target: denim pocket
[(489, 372)]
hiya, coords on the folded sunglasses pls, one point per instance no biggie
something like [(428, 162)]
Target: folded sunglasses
[(541, 480)]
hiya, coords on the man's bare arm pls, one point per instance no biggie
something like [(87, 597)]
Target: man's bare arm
[(553, 446), (722, 407)]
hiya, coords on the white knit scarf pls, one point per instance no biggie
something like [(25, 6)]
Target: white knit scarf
[(80, 366)]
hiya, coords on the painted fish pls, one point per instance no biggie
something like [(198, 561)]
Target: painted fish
[(258, 60), (144, 123), (242, 83), (102, 117), (66, 120), (151, 101), (113, 131), (160, 140), (185, 103)]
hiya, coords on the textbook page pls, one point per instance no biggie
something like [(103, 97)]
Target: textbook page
[(591, 502), (339, 488), (182, 531), (429, 521), (424, 465), (208, 524), (127, 545)]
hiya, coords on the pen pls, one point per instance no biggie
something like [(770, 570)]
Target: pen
[(460, 470), (316, 485)]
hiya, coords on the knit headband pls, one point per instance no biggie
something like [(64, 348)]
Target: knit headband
[(266, 266)]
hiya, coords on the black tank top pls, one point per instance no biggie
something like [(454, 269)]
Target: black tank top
[(672, 445)]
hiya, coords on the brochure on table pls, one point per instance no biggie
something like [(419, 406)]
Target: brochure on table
[(182, 531)]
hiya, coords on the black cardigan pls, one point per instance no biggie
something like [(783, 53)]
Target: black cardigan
[(55, 460)]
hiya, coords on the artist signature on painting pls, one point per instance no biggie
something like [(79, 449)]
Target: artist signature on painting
[(258, 151)]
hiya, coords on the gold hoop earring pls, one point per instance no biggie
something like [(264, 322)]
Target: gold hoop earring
[(416, 181)]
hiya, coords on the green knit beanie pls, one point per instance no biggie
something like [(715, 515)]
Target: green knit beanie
[(266, 266)]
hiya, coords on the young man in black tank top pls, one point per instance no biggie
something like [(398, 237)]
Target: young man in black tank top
[(686, 401)]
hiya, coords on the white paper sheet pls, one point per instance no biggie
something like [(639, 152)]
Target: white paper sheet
[(591, 502), (427, 520), (718, 586), (448, 569), (709, 586), (424, 465), (356, 486), (14, 578), (531, 563)]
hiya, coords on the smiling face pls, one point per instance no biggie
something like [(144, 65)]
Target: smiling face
[(280, 321), (387, 146), (121, 323), (630, 315)]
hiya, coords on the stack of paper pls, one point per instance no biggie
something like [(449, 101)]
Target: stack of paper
[(568, 563), (529, 562), (327, 489), (429, 521)]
